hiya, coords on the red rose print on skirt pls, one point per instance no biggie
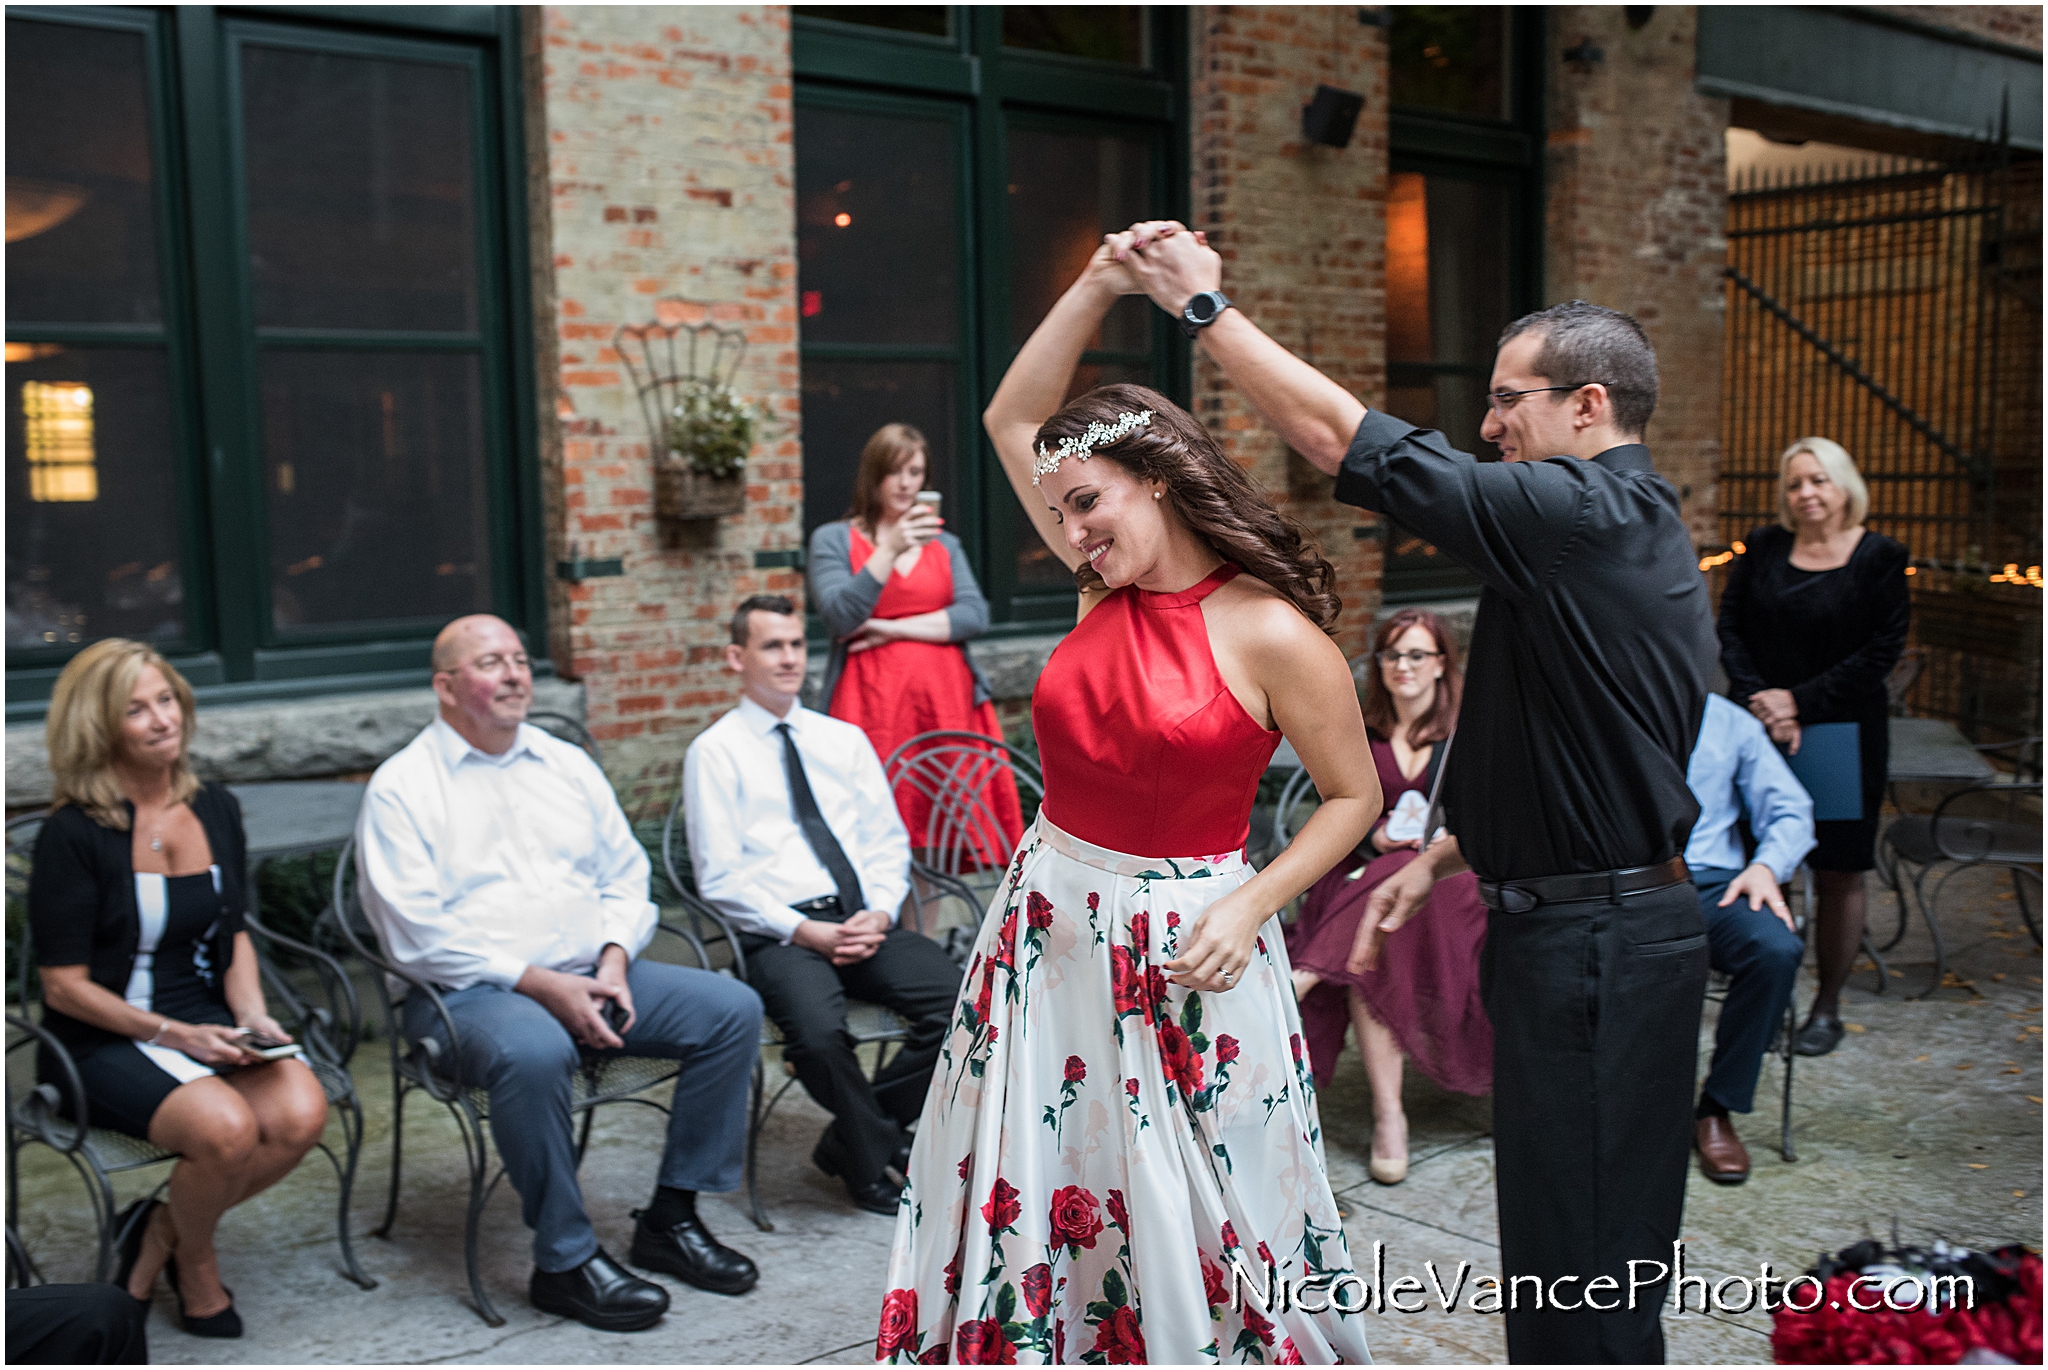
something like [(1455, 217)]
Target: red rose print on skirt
[(1002, 1209), (1075, 1223), (1036, 1285), (1119, 1340), (981, 1342), (1183, 1063), (899, 1322), (1038, 910), (1077, 1070)]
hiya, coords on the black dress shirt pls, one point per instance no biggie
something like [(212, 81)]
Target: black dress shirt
[(1590, 657)]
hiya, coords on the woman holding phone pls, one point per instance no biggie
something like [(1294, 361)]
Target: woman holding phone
[(149, 980), (900, 613)]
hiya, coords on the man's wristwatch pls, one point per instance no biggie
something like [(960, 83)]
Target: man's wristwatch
[(1202, 310)]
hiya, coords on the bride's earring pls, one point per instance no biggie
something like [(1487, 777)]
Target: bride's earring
[(1157, 493)]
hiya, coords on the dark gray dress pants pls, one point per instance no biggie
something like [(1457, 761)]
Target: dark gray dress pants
[(517, 1050), (1596, 1012)]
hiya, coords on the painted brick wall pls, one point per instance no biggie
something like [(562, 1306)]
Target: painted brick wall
[(670, 197), (1301, 230), (1636, 216)]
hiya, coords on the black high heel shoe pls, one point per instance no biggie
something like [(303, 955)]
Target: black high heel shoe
[(133, 1225), (226, 1323)]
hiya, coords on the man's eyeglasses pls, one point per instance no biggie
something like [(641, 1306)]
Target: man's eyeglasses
[(1500, 401), (493, 662), (1404, 658)]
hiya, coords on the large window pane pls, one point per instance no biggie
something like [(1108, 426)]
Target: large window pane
[(1449, 246), (1107, 33), (877, 227), (1065, 191), (377, 489), (92, 525), (1451, 59), (81, 207), (845, 402), (361, 204), (930, 19)]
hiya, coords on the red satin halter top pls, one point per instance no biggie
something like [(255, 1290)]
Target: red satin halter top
[(1145, 750)]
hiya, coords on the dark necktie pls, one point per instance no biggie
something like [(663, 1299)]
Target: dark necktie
[(816, 832)]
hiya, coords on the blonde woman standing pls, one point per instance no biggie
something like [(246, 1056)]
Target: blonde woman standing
[(1812, 620), (149, 980)]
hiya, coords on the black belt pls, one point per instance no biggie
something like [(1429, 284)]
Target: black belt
[(825, 908), (1523, 896)]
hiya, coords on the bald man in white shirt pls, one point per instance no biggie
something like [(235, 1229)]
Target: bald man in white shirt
[(794, 837), (496, 864)]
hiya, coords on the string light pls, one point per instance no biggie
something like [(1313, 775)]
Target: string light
[(2012, 574)]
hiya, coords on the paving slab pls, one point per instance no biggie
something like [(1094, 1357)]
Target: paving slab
[(1927, 1118)]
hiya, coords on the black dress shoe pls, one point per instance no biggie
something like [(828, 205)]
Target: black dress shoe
[(876, 1196), (599, 1293), (690, 1253), (133, 1225), (1821, 1035), (226, 1323)]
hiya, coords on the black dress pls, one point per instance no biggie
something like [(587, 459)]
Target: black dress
[(162, 943), (1830, 637)]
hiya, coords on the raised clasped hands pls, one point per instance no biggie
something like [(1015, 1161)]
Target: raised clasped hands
[(1167, 261)]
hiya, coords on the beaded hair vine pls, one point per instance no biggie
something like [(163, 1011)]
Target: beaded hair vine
[(1079, 448)]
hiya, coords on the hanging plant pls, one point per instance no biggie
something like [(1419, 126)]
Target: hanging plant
[(712, 429)]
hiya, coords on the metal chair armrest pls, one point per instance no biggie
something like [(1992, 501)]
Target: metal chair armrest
[(41, 1118), (696, 943), (697, 908), (341, 993), (2004, 789)]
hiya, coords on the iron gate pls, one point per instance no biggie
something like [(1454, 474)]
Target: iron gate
[(1896, 308)]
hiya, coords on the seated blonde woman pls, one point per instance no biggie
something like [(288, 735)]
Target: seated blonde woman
[(148, 979)]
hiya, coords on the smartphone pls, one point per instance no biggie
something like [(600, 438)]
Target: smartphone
[(930, 499), (269, 1048)]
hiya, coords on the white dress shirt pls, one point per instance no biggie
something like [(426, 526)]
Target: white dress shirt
[(473, 867), (749, 853)]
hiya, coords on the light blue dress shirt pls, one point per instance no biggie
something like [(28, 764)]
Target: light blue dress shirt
[(1736, 767)]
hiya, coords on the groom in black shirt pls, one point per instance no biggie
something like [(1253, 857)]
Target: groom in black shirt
[(1584, 689)]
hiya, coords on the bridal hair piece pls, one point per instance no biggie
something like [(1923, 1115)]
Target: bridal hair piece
[(1078, 448)]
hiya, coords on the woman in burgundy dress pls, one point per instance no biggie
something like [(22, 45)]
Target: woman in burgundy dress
[(901, 603), (1423, 1000)]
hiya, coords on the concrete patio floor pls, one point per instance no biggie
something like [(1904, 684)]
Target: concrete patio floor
[(1928, 1117)]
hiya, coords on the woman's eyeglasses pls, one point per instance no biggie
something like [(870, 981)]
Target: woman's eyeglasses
[(1404, 658)]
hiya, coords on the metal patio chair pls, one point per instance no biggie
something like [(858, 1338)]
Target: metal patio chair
[(324, 1017), (952, 768), (868, 1024), (568, 729), (1988, 825), (423, 1065)]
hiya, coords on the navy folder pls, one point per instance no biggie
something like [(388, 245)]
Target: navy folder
[(1830, 766)]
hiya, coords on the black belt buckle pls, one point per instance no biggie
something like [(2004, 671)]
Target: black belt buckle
[(1515, 899)]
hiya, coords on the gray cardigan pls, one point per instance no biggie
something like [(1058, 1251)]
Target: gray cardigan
[(844, 596)]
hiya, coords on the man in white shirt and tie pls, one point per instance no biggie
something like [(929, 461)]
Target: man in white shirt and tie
[(794, 838), (495, 864)]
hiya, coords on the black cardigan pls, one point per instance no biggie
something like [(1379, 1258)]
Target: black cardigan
[(81, 899)]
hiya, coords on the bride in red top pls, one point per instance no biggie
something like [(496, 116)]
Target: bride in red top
[(1123, 1110)]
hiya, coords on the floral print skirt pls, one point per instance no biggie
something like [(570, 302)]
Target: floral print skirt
[(1100, 1147)]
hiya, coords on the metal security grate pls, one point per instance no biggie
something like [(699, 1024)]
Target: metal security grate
[(1896, 308)]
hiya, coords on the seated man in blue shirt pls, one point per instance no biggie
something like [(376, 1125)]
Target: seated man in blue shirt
[(1735, 767)]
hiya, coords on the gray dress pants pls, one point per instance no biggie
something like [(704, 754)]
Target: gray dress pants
[(516, 1049)]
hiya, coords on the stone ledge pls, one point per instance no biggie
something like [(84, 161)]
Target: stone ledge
[(283, 739)]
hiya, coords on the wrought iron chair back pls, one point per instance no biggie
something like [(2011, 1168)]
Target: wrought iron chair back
[(568, 729), (425, 1065), (324, 1016), (867, 1023), (953, 770)]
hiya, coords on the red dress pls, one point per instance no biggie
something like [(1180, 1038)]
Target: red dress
[(1426, 989), (901, 689)]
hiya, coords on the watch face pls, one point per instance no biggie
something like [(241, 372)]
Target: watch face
[(1202, 307)]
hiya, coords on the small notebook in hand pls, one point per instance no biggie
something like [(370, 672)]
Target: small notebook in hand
[(1830, 765)]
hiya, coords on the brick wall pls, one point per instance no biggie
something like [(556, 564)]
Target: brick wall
[(1637, 206), (1301, 229), (669, 196)]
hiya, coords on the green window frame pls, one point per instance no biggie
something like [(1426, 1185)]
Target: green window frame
[(230, 647), (967, 75), (1504, 154)]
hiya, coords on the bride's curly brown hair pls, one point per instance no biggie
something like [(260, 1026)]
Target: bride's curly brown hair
[(1211, 493)]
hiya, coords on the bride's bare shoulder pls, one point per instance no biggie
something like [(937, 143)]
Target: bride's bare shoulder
[(1247, 607)]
